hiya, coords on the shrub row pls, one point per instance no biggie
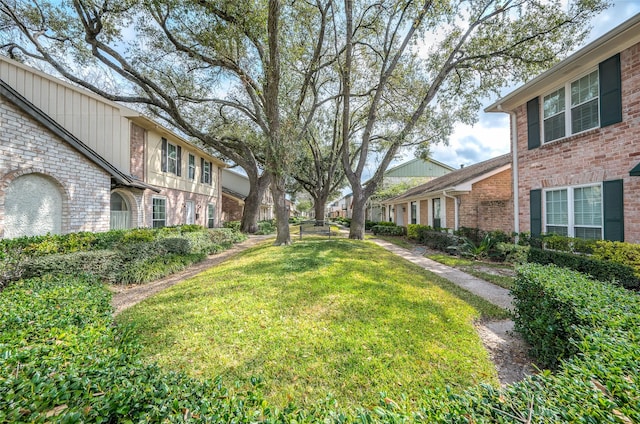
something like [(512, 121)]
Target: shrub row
[(388, 230), (602, 270), (556, 307), (133, 256), (71, 364)]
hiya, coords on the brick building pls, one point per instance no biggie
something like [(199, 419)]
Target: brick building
[(74, 161), (575, 131), (476, 196)]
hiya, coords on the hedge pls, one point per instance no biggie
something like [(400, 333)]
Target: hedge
[(388, 230), (596, 268), (72, 364), (120, 256), (556, 307), (439, 240)]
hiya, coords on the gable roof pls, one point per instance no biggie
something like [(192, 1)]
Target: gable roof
[(458, 180), (42, 118), (415, 164), (618, 39)]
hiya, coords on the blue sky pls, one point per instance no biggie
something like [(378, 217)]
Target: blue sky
[(490, 136)]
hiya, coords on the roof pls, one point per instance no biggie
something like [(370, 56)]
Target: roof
[(618, 39), (232, 193), (39, 116), (459, 180), (414, 166)]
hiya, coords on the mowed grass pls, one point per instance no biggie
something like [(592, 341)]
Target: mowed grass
[(319, 318)]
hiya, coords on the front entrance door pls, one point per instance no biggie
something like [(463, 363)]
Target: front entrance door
[(190, 212)]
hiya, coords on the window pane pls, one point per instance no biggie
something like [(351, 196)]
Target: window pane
[(159, 213), (553, 103), (588, 233), (554, 127), (584, 89), (585, 116), (172, 158), (192, 167), (587, 205), (562, 231), (556, 208)]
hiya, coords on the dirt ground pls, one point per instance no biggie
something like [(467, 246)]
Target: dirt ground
[(506, 349)]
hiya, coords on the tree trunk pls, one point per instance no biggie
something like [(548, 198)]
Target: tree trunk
[(257, 188), (319, 206), (283, 236), (359, 202)]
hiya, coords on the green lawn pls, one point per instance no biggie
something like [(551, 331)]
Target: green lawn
[(319, 317), (473, 267)]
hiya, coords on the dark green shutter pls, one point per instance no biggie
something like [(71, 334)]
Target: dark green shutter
[(610, 91), (613, 202), (179, 162), (202, 170), (535, 212), (533, 123), (163, 161), (210, 173)]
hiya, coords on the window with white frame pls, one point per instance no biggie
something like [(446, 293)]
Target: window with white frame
[(206, 173), (159, 212), (582, 102), (172, 158), (211, 215), (574, 212), (192, 167), (414, 212)]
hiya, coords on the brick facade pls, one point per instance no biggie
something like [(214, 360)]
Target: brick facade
[(137, 147), (29, 148), (232, 209), (489, 205), (176, 211), (597, 155)]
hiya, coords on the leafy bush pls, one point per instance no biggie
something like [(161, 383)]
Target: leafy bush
[(414, 231), (439, 240), (266, 227), (142, 271), (104, 264), (557, 242), (234, 225), (139, 235), (512, 253), (554, 306), (476, 251), (598, 269), (623, 253), (177, 245), (387, 230)]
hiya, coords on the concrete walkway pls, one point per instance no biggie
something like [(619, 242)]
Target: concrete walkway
[(492, 293)]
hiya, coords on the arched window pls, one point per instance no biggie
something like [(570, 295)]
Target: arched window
[(120, 213)]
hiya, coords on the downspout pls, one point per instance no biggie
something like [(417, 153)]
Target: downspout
[(514, 172), (456, 211)]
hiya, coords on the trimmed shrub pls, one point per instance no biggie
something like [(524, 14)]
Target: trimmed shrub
[(512, 253), (555, 306), (414, 231), (387, 230), (623, 253), (266, 227), (153, 268), (606, 271), (104, 264), (177, 245)]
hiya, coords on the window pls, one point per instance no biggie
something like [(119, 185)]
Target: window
[(159, 213), (574, 212), (414, 213), (205, 172), (171, 157), (192, 167), (436, 213), (211, 215), (582, 104)]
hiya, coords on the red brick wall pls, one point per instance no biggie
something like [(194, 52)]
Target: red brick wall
[(489, 206), (231, 209), (597, 155), (137, 151)]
